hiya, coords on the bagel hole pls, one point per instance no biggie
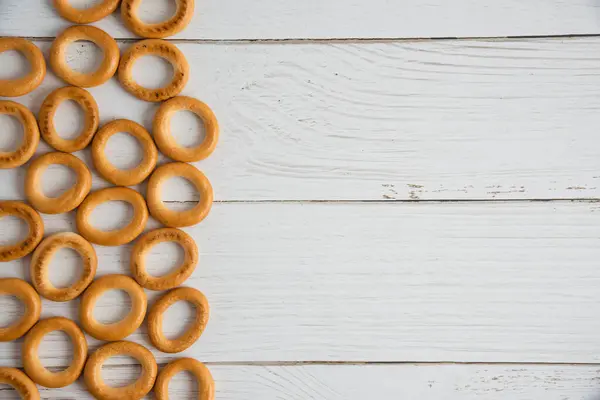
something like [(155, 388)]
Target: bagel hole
[(187, 129), (164, 258), (84, 56), (184, 189), (56, 346), (184, 386), (152, 72), (14, 65), (9, 392), (112, 306), (155, 11), (65, 268), (123, 151), (84, 4), (178, 318), (69, 119), (57, 179), (12, 133), (12, 310), (14, 230), (112, 215), (119, 371)]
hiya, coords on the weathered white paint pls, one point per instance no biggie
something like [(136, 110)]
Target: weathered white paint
[(378, 121), (482, 282), (316, 19), (344, 120), (381, 382)]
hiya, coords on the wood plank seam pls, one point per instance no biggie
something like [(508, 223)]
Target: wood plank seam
[(364, 363), (414, 363), (390, 201), (334, 40)]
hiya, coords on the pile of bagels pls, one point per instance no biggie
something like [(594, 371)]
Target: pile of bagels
[(80, 200)]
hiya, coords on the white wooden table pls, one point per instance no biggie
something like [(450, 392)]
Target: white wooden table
[(397, 217)]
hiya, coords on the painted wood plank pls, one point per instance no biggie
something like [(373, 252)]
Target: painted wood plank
[(382, 382), (489, 282), (378, 121), (315, 19)]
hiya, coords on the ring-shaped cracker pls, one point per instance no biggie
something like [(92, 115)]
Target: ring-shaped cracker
[(92, 374), (167, 143), (173, 279), (40, 261), (31, 361), (31, 135), (46, 118), (189, 337), (22, 86), (160, 48), (172, 218), (67, 201), (123, 328), (85, 16), (36, 229), (182, 17), (33, 307), (116, 237), (20, 382), (105, 71), (206, 383), (124, 177)]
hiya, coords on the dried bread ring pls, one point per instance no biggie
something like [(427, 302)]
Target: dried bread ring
[(124, 177), (206, 383), (31, 135), (167, 143), (85, 16), (48, 110), (163, 49), (31, 362), (22, 86), (36, 229), (67, 201), (118, 237), (33, 307), (176, 219), (105, 71), (189, 337), (40, 261), (173, 279), (20, 382), (182, 17), (123, 328), (92, 374)]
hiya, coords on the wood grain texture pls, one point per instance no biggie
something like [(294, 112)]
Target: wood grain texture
[(284, 19), (293, 280), (384, 121), (484, 282), (381, 382)]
